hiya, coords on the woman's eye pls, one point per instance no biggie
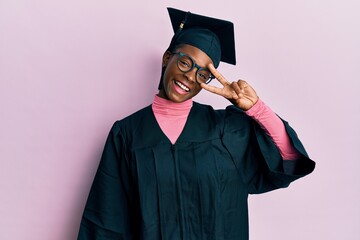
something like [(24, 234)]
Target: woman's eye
[(202, 76), (184, 63)]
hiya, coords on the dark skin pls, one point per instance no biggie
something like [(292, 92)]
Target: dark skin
[(179, 86)]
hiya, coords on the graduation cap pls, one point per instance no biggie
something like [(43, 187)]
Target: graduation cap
[(213, 36)]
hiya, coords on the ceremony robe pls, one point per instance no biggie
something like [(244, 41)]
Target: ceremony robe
[(196, 189)]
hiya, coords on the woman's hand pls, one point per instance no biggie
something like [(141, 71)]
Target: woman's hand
[(239, 93)]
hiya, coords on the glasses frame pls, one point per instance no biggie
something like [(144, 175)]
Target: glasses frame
[(194, 65)]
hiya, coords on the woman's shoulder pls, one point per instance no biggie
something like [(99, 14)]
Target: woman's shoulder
[(230, 117), (133, 120), (139, 114), (224, 112), (206, 109)]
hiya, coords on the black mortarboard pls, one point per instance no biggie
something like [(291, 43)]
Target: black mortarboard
[(213, 36)]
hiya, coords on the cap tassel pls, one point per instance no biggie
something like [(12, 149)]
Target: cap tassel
[(183, 23)]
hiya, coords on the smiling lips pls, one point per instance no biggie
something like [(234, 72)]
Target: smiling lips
[(182, 86)]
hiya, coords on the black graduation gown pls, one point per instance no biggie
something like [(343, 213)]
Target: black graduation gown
[(148, 188)]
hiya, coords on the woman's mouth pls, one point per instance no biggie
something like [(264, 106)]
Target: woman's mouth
[(182, 86)]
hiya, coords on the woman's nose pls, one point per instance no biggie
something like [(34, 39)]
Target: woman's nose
[(191, 75)]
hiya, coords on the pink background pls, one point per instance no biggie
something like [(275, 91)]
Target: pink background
[(69, 69)]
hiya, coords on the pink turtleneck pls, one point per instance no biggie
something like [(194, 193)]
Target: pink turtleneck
[(172, 117), (274, 128)]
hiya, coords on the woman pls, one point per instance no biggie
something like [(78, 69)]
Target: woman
[(178, 169)]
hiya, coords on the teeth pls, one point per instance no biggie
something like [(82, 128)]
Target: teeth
[(182, 86)]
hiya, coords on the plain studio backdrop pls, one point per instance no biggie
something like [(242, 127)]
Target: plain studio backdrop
[(69, 69)]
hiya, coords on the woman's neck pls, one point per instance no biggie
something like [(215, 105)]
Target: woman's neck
[(167, 107), (171, 116)]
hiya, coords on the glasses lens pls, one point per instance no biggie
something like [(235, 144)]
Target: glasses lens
[(203, 76), (185, 64)]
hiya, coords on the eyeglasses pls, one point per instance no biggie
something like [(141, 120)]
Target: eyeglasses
[(185, 64)]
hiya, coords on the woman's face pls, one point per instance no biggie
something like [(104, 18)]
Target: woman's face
[(177, 85)]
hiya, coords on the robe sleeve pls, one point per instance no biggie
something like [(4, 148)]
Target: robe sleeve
[(107, 213), (257, 158)]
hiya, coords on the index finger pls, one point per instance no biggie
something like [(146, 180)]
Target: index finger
[(218, 75)]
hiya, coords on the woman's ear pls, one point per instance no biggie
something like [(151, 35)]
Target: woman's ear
[(166, 58)]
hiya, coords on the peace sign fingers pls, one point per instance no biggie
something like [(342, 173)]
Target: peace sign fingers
[(238, 92), (216, 90), (226, 91), (218, 75)]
